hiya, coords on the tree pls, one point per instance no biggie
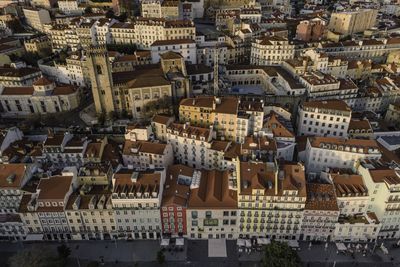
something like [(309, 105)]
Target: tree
[(35, 257), (63, 252), (279, 254), (88, 10), (160, 257)]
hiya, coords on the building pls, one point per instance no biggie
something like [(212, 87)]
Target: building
[(18, 77), (90, 214), (271, 50), (136, 201), (271, 199), (321, 212), (392, 115), (40, 45), (310, 30), (335, 152), (175, 199), (349, 22), (324, 118), (185, 47), (47, 205), (220, 112), (357, 228), (13, 179), (36, 18), (44, 97), (212, 206), (383, 187)]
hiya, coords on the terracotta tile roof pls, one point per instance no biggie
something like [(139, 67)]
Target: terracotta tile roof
[(12, 72), (385, 175), (64, 90), (347, 185), (201, 101), (341, 144), (258, 144), (177, 187), (54, 140), (28, 90), (213, 192), (170, 55), (42, 81), (54, 188), (360, 125), (328, 104), (144, 147), (321, 197), (162, 119), (11, 175), (277, 127), (146, 182), (197, 132)]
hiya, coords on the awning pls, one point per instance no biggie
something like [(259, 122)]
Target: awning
[(240, 242), (341, 246), (248, 243), (164, 242), (180, 242), (34, 237), (293, 243), (263, 241)]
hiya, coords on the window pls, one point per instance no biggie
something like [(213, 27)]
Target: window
[(208, 214), (194, 215), (98, 69)]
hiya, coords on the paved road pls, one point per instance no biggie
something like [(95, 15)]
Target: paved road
[(195, 253)]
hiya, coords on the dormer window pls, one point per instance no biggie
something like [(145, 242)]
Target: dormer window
[(54, 204), (47, 204)]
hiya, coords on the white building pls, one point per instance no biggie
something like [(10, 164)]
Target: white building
[(43, 97), (383, 185), (185, 47), (36, 18), (136, 201), (331, 152), (271, 50), (324, 118)]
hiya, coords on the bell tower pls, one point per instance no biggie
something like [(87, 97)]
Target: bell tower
[(101, 79)]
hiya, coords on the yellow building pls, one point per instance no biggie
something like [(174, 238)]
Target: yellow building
[(350, 22), (221, 112), (40, 45)]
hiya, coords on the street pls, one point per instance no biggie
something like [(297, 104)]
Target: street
[(194, 253)]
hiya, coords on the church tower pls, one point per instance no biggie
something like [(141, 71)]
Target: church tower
[(101, 79)]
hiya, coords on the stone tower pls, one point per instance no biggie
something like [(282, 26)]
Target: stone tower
[(101, 79)]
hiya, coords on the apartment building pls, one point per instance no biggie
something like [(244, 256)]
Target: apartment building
[(190, 143), (271, 50), (95, 173), (159, 124), (145, 154), (334, 152), (49, 202), (185, 47), (90, 214), (151, 9), (222, 113), (271, 199), (324, 86), (321, 212), (18, 77), (212, 205), (357, 228), (175, 199), (40, 45), (43, 97), (70, 7), (149, 30), (13, 179), (349, 22), (136, 200), (36, 18), (324, 118), (383, 187)]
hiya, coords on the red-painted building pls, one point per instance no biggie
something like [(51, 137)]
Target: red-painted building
[(175, 198)]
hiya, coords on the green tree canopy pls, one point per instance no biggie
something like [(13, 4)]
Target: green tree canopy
[(279, 254)]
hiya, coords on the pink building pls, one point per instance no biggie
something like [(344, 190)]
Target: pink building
[(310, 30)]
